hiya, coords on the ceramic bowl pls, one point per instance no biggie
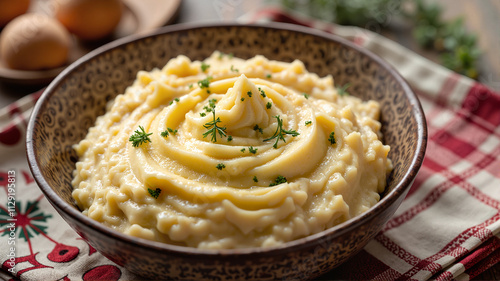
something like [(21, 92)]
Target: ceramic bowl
[(71, 103)]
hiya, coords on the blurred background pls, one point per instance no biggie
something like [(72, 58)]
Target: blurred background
[(461, 35)]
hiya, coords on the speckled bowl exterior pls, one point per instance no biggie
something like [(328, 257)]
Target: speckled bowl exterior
[(77, 96)]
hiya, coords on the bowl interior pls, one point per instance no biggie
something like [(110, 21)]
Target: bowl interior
[(73, 101)]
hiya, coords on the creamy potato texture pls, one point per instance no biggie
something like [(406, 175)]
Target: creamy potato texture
[(291, 155)]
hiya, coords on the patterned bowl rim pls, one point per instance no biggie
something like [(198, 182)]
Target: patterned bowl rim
[(400, 190)]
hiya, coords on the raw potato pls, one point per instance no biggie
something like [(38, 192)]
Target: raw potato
[(34, 42), (89, 19), (9, 9)]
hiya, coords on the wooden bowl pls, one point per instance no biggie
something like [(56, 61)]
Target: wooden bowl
[(79, 94)]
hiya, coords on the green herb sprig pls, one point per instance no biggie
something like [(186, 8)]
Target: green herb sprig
[(212, 126), (280, 132), (140, 137)]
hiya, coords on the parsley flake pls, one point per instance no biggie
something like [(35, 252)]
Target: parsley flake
[(139, 137), (164, 133), (172, 131), (203, 114), (331, 138), (229, 138), (242, 99), (252, 150), (280, 132), (257, 128), (242, 150), (220, 166), (268, 76), (255, 179), (154, 193), (204, 66), (269, 105), (249, 93), (279, 180), (306, 96), (212, 102), (308, 123), (341, 91), (234, 69), (262, 93), (205, 83)]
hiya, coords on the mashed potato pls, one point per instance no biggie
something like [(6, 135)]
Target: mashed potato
[(231, 153)]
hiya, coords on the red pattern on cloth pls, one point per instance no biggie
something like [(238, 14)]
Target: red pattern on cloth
[(447, 228)]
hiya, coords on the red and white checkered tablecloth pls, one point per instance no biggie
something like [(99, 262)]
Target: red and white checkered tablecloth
[(447, 228)]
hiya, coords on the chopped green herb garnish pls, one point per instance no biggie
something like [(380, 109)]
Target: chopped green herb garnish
[(331, 138), (172, 131), (220, 166), (255, 179), (190, 86), (280, 132), (139, 137), (269, 105), (252, 150), (212, 102), (176, 100), (154, 193), (204, 66), (205, 83), (234, 69), (249, 93), (278, 180), (268, 76), (164, 133), (306, 96), (308, 123), (203, 114), (262, 93), (211, 105), (242, 99), (257, 128), (242, 150), (213, 128), (229, 138), (341, 91)]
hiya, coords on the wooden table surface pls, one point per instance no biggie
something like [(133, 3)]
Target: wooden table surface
[(482, 17)]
